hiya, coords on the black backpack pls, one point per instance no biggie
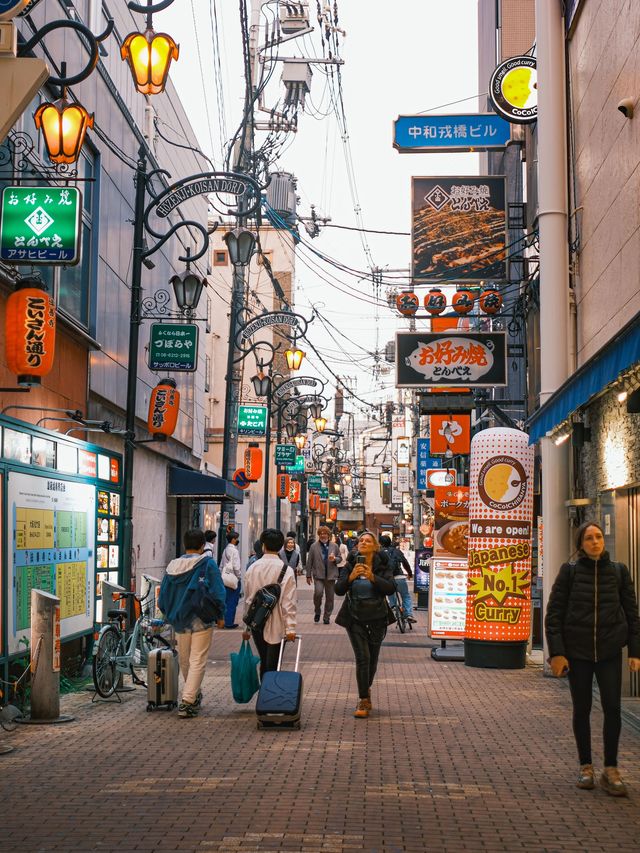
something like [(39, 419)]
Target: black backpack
[(263, 604)]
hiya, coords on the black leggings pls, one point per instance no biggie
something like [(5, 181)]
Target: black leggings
[(366, 639), (269, 653), (608, 674)]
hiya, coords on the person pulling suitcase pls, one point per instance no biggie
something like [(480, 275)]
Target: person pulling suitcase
[(192, 598)]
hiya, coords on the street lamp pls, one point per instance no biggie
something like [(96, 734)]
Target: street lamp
[(294, 356), (300, 440), (187, 287), (320, 423), (292, 429), (261, 384), (64, 126), (149, 56), (241, 244)]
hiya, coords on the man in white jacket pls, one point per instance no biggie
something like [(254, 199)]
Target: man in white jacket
[(281, 623), (231, 570)]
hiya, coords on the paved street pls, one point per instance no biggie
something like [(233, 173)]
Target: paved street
[(452, 759)]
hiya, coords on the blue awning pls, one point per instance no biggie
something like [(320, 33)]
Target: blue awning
[(186, 483), (601, 370)]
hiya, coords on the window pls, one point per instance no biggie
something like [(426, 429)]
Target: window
[(220, 258)]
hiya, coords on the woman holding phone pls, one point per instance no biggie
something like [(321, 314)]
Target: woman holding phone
[(592, 614), (365, 581)]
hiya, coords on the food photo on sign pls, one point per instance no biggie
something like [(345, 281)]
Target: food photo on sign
[(451, 522)]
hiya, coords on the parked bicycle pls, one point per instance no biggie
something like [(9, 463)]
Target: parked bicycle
[(116, 654), (402, 620)]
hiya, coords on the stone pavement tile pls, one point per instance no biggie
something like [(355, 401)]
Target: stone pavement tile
[(452, 759)]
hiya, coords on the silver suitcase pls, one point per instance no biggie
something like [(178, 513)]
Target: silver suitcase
[(162, 679)]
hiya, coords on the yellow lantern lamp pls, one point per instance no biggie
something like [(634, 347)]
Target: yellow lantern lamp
[(149, 55), (300, 441), (320, 424), (64, 126), (294, 357)]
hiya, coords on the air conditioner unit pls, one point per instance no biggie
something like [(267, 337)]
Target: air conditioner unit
[(294, 17), (281, 195)]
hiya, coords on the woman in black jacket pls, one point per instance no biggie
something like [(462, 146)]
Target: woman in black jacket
[(365, 580), (592, 614)]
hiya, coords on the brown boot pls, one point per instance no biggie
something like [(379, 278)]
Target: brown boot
[(612, 783), (362, 710), (368, 704), (586, 778)]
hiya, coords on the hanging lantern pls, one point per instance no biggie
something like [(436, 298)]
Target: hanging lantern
[(64, 126), (294, 356), (333, 513), (435, 301), (294, 491), (462, 301), (253, 463), (407, 303), (322, 509), (30, 332), (314, 501), (490, 301), (149, 56), (164, 406), (300, 440), (320, 424), (283, 483)]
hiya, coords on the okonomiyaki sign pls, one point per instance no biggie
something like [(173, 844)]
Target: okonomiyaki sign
[(476, 359), (501, 513)]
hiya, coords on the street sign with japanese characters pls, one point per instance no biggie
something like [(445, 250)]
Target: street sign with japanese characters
[(314, 482), (173, 346), (40, 225), (297, 467), (468, 132), (286, 454), (252, 420), (451, 359)]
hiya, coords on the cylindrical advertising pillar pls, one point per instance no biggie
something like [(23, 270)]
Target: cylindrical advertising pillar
[(500, 528)]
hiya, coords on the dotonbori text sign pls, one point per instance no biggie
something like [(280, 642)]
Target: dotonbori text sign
[(297, 382), (173, 346), (459, 228), (252, 420), (202, 185), (467, 132), (274, 318), (40, 225), (427, 359), (286, 454)]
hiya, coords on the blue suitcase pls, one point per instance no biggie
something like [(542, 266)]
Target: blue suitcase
[(279, 702)]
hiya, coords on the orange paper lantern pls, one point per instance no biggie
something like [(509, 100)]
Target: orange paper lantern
[(463, 301), (253, 463), (333, 513), (294, 492), (314, 501), (164, 406), (283, 482), (30, 333), (407, 303), (435, 301), (323, 508), (490, 301)]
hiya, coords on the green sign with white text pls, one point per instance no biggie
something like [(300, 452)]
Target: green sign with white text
[(40, 225), (286, 454), (298, 467), (334, 500), (314, 482), (252, 420), (173, 346), (324, 493)]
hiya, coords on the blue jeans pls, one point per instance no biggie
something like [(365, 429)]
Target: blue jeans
[(405, 595), (231, 603)]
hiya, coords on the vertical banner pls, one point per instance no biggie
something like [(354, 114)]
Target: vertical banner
[(451, 522), (422, 570), (500, 529)]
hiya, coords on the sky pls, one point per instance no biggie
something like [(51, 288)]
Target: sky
[(405, 57)]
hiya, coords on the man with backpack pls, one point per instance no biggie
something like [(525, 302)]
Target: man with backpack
[(192, 599), (401, 573), (280, 622)]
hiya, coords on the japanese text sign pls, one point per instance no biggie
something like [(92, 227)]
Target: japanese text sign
[(451, 521), (298, 465), (450, 432), (425, 462), (286, 454), (314, 482), (467, 132), (252, 420), (40, 225), (173, 346), (465, 359)]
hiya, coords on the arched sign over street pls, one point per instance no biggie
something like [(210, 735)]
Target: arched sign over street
[(230, 188), (297, 382)]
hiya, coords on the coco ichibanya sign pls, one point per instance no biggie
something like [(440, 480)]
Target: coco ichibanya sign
[(40, 225), (450, 359)]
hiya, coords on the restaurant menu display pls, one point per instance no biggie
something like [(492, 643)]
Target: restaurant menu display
[(451, 524), (107, 538), (53, 549), (447, 599)]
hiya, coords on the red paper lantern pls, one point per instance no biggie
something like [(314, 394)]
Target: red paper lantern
[(294, 492), (407, 303), (314, 501), (283, 482), (164, 406), (463, 301), (253, 463), (490, 301), (333, 513), (435, 301), (30, 333), (323, 508)]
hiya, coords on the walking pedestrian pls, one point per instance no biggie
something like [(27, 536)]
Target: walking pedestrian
[(290, 556), (592, 614), (193, 636), (257, 553), (342, 548), (210, 537), (401, 572), (231, 570), (281, 623), (322, 568), (365, 582)]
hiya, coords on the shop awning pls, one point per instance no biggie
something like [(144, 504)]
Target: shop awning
[(590, 379), (186, 483)]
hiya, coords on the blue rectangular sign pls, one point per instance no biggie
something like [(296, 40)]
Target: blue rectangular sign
[(425, 461), (471, 131)]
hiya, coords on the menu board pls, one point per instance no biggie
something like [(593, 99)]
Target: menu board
[(447, 599), (53, 549)]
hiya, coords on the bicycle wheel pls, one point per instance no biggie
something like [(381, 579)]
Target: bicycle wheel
[(105, 674), (401, 619)]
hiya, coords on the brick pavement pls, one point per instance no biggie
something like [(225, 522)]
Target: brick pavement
[(453, 759)]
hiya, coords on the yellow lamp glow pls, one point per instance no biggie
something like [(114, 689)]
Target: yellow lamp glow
[(300, 441), (320, 424), (149, 56), (294, 358), (64, 126)]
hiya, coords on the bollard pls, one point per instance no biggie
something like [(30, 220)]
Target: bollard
[(45, 660)]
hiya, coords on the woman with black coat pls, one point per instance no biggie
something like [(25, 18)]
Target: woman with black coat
[(365, 581), (592, 614)]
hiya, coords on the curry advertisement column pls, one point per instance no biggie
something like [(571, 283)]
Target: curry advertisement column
[(500, 527)]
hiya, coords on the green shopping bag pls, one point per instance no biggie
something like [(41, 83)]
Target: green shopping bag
[(244, 675)]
